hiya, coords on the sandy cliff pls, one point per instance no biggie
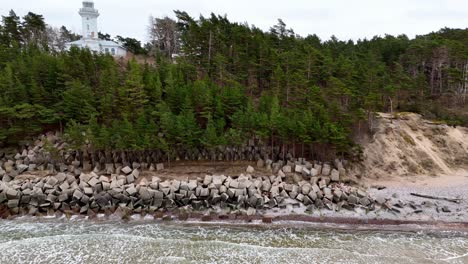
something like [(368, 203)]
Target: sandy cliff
[(407, 145)]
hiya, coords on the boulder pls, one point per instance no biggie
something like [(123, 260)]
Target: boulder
[(352, 199), (266, 186), (364, 201), (136, 173), (204, 192), (306, 188), (207, 180), (93, 181), (298, 168), (103, 199), (88, 191), (159, 195), (335, 175), (380, 200), (126, 170), (251, 211), (77, 194), (192, 185), (250, 169), (361, 193), (63, 197), (144, 193), (260, 163), (287, 169), (297, 178), (136, 165), (281, 174), (159, 166), (130, 178), (11, 193), (14, 203), (217, 181), (314, 172), (22, 168), (131, 191), (328, 193), (3, 197), (312, 195), (326, 169)]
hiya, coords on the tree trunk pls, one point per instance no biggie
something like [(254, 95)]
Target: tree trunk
[(209, 49)]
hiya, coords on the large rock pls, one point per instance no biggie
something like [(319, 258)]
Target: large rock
[(326, 169), (335, 175), (218, 181), (207, 180), (103, 199), (136, 173), (88, 191), (12, 193), (314, 172), (352, 199), (3, 197), (260, 163), (204, 192), (251, 211), (22, 168), (77, 194), (250, 169), (364, 201), (192, 185), (281, 174), (312, 195), (160, 166), (93, 181), (130, 178), (158, 195), (13, 203), (266, 186), (131, 191), (126, 170), (298, 168), (144, 193)]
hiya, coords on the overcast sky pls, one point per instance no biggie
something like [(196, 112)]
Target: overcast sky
[(346, 19)]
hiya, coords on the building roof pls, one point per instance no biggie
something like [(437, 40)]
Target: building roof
[(100, 41)]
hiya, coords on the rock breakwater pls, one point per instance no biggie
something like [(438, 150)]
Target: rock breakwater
[(130, 193)]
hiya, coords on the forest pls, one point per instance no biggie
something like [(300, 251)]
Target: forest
[(208, 82)]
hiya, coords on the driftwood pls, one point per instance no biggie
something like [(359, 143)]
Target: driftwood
[(453, 200)]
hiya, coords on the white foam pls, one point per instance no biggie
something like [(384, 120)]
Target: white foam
[(79, 240)]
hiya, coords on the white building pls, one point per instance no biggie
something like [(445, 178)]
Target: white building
[(90, 31)]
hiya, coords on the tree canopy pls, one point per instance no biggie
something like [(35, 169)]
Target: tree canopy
[(229, 83)]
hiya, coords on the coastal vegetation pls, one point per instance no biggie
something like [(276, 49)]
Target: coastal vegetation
[(210, 82)]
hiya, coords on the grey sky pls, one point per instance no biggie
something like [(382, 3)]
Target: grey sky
[(343, 18)]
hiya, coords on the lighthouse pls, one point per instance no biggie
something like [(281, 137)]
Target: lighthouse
[(89, 17), (90, 37)]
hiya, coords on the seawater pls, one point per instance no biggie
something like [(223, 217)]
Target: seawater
[(87, 241)]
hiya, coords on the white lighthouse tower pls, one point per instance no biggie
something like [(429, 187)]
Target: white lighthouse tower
[(89, 17), (90, 37)]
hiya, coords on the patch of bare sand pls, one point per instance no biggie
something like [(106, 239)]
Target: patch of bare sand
[(456, 179), (407, 146)]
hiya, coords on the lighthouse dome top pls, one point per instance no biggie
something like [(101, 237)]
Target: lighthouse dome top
[(88, 9), (88, 3)]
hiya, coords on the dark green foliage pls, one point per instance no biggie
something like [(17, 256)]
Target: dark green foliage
[(231, 83)]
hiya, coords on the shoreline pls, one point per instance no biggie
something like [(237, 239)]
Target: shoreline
[(265, 221)]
